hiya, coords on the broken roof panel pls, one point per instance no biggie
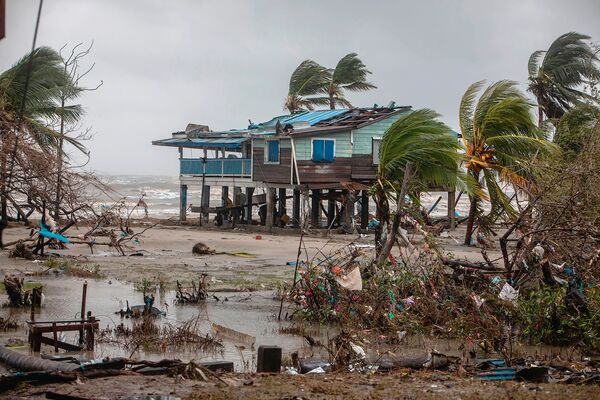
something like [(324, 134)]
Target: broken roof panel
[(210, 143)]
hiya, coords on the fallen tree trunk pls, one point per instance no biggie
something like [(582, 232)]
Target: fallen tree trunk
[(24, 362)]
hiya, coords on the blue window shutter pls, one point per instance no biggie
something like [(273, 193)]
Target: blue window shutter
[(273, 155), (328, 151), (317, 154)]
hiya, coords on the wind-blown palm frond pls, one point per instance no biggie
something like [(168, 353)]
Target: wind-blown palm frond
[(555, 80), (350, 73), (35, 101), (499, 136), (308, 79), (419, 138), (575, 127)]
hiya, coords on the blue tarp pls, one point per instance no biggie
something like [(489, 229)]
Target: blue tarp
[(51, 235)]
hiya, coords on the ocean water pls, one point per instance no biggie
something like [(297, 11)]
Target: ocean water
[(161, 194)]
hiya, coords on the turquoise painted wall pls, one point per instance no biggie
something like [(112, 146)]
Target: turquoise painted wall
[(343, 147), (363, 140), (363, 137), (283, 143)]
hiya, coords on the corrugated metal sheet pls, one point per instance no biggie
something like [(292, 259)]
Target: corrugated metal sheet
[(221, 142), (313, 117)]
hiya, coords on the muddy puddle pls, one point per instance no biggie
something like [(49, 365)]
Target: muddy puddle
[(253, 314)]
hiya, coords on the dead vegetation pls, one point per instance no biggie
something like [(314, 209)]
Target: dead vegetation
[(148, 335)]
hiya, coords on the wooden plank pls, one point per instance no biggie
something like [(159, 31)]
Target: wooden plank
[(59, 344), (63, 328)]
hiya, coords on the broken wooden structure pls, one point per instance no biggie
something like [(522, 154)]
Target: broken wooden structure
[(87, 325), (328, 159)]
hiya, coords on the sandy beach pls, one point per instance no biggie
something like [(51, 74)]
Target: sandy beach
[(167, 251)]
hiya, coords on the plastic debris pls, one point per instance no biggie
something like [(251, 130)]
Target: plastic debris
[(508, 293), (351, 281)]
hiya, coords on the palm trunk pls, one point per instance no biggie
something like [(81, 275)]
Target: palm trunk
[(386, 247), (60, 161), (3, 188), (540, 111), (472, 213)]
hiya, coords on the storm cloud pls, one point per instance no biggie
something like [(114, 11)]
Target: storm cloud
[(220, 63)]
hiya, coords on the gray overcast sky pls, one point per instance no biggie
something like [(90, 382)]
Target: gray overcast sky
[(167, 63)]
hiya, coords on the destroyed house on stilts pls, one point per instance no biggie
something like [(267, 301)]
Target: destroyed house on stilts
[(323, 159)]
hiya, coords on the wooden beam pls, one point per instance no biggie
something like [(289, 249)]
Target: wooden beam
[(315, 208), (296, 208), (364, 210), (270, 208), (182, 202), (59, 344)]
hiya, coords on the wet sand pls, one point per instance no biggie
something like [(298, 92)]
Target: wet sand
[(167, 251)]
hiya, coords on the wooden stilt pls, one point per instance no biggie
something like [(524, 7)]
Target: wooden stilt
[(182, 202), (270, 208), (296, 208), (315, 208), (364, 210), (249, 194)]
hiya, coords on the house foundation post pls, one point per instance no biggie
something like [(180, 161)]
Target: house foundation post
[(282, 203), (249, 194), (237, 197), (331, 209), (182, 203), (451, 209), (364, 209), (315, 208), (296, 208), (270, 208), (205, 202)]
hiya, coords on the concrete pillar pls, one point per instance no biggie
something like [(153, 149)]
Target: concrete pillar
[(205, 202), (296, 209), (270, 208), (249, 194), (364, 209), (330, 207), (315, 208), (451, 209), (182, 202)]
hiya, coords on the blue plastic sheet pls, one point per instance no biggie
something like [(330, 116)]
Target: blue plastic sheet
[(51, 235)]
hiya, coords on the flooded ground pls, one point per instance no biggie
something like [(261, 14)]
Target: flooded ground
[(253, 313)]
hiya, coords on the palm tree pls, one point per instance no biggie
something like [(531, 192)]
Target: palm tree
[(417, 152), (574, 129), (308, 79), (29, 95), (555, 81), (349, 74), (328, 85), (498, 134)]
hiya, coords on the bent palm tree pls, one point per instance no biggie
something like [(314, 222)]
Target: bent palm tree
[(349, 74), (308, 79), (574, 129), (29, 95), (555, 80), (417, 152), (498, 134)]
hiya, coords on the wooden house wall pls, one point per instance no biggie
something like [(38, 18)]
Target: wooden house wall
[(363, 137), (343, 147), (273, 173)]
